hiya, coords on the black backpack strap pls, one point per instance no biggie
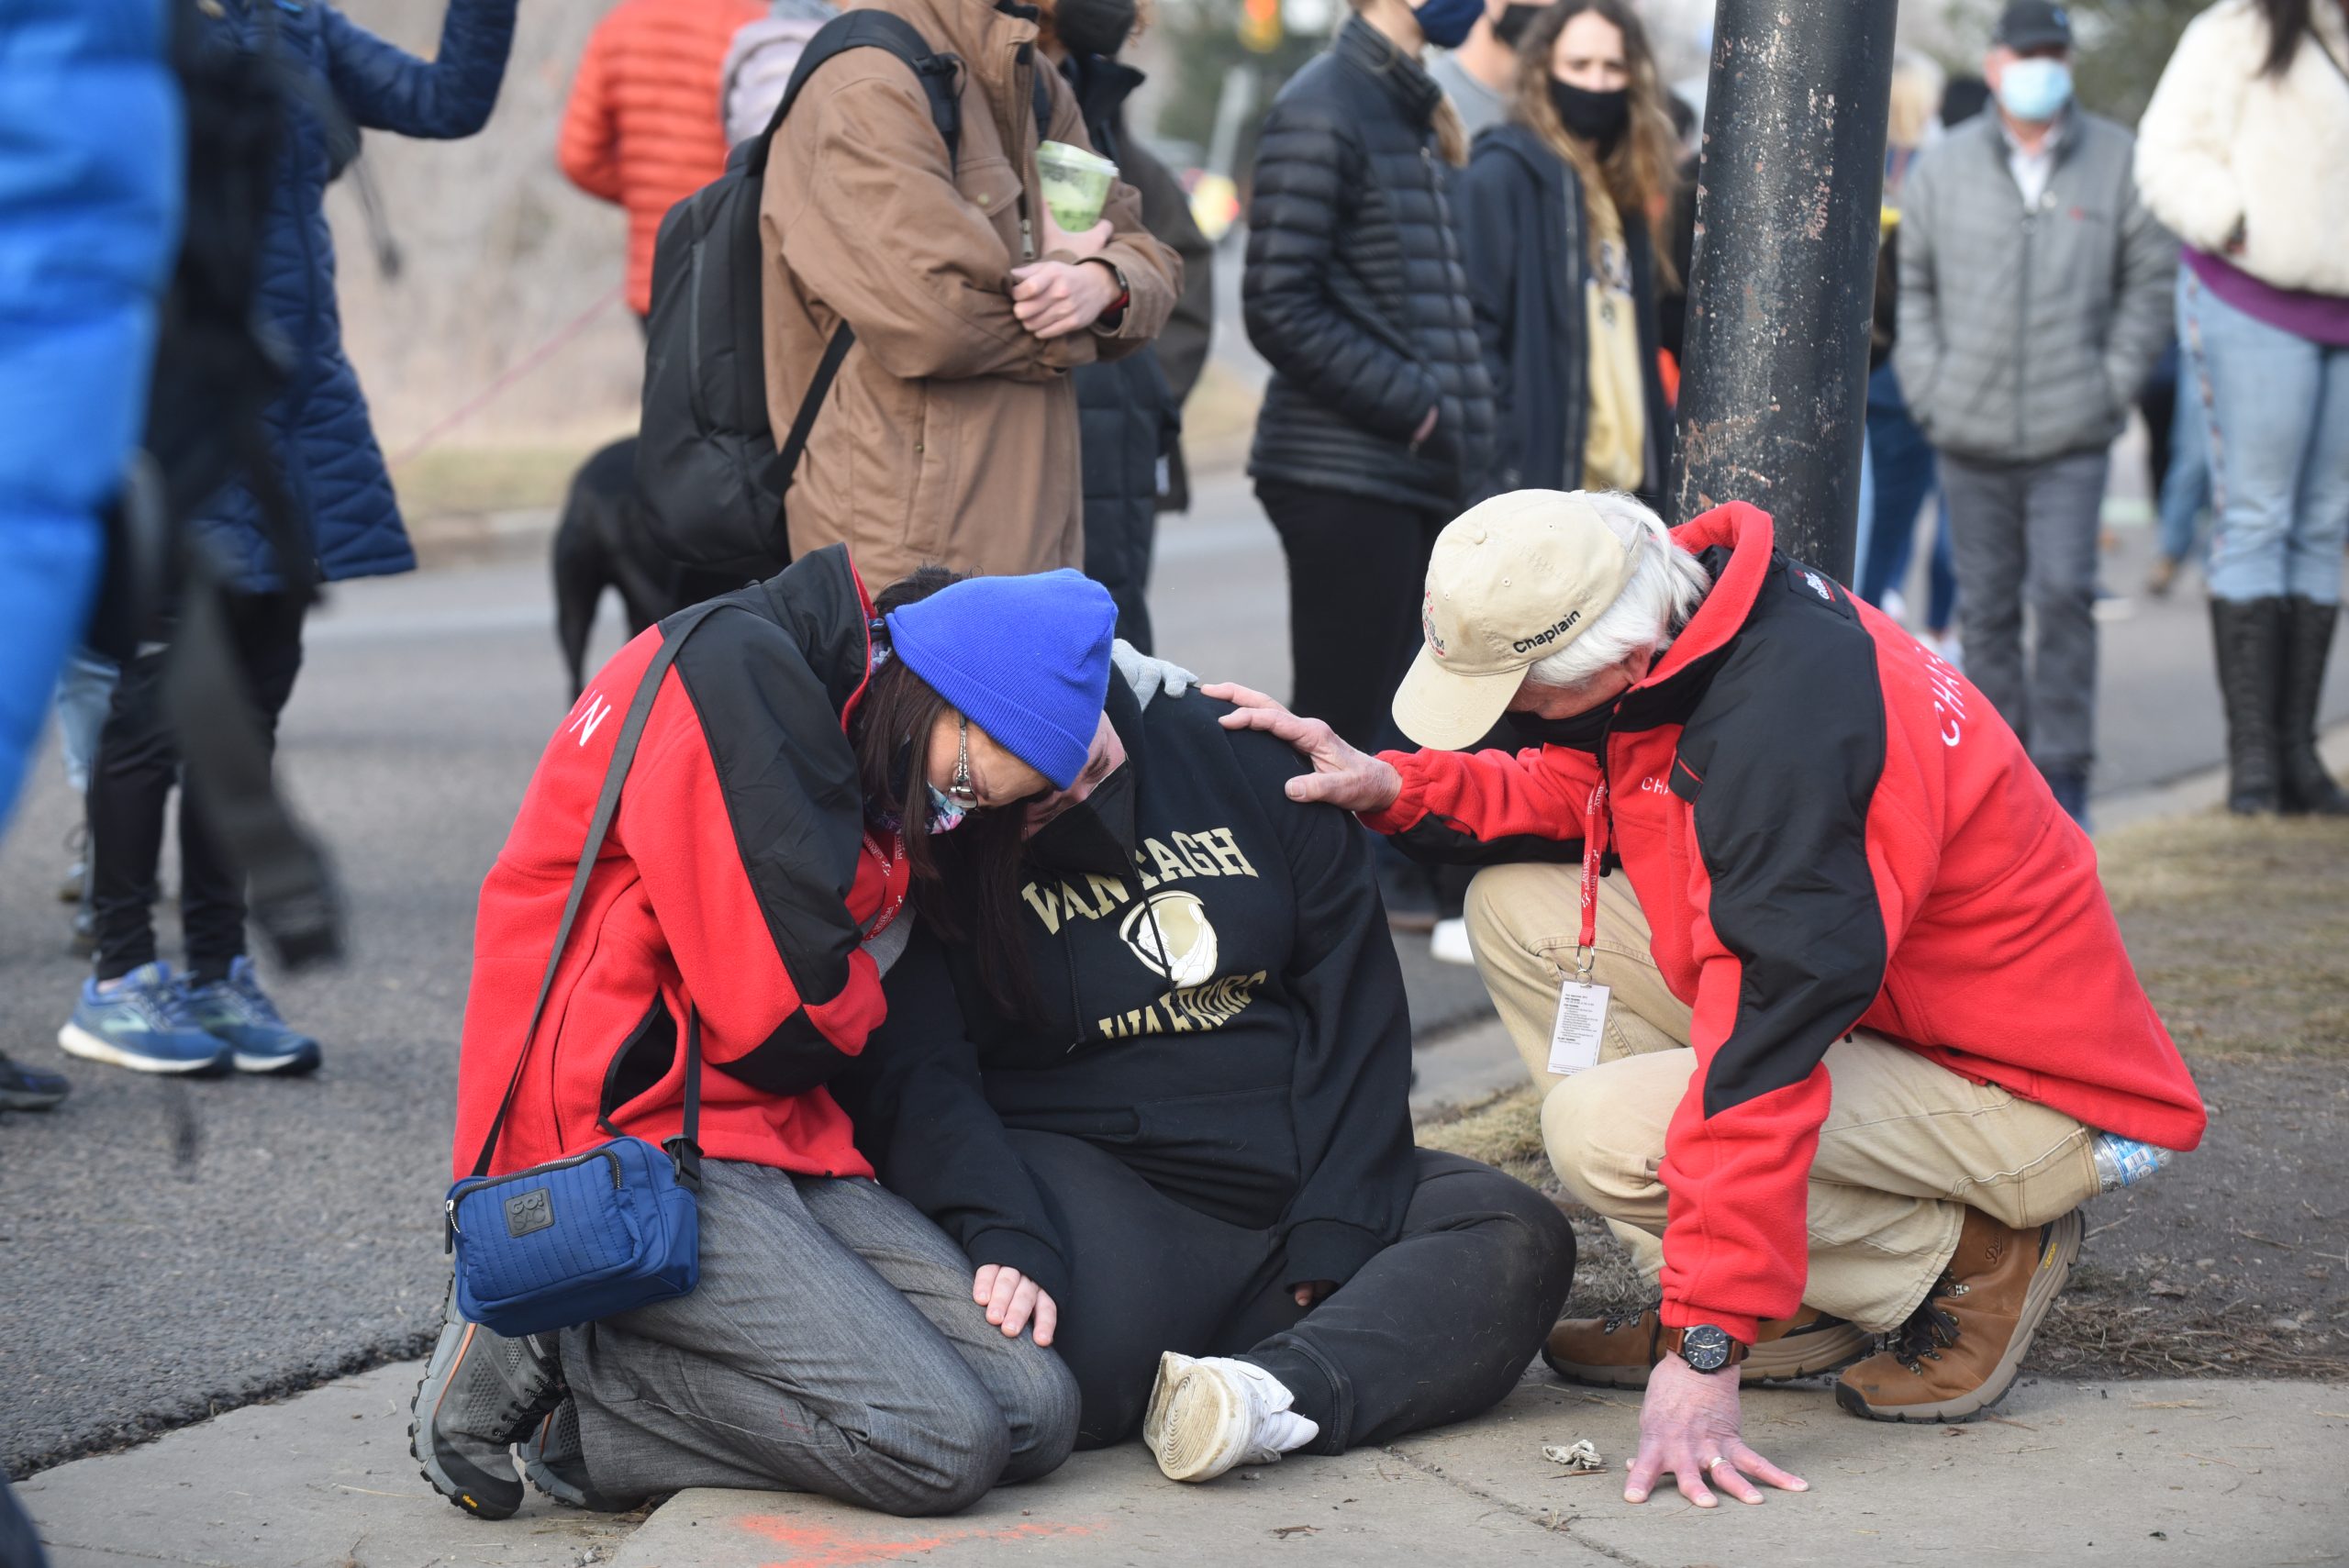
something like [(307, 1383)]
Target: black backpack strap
[(673, 639), (684, 1149), (875, 29), (786, 457), (938, 74)]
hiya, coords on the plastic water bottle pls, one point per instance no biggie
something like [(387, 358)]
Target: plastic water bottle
[(2120, 1161)]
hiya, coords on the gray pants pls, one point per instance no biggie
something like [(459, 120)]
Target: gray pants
[(2026, 534), (831, 1346)]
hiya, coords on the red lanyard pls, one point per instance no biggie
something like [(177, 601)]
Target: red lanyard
[(1594, 852), (892, 891)]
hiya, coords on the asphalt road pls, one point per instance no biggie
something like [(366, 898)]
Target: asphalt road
[(168, 1251)]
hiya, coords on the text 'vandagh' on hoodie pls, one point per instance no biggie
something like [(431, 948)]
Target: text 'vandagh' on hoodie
[(1828, 830), (1218, 1006)]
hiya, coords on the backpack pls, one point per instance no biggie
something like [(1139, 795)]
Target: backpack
[(708, 465)]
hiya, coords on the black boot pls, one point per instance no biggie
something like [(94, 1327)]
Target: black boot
[(2308, 639), (2249, 635)]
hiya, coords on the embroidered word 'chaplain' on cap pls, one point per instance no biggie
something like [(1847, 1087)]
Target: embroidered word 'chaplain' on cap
[(1512, 580)]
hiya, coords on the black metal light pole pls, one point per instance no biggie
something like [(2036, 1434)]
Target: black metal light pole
[(1774, 391)]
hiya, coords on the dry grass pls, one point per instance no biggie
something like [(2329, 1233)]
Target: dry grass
[(469, 481), (2238, 928), (1504, 1132), (1219, 420)]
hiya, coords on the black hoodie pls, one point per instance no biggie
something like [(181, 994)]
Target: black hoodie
[(1227, 1018)]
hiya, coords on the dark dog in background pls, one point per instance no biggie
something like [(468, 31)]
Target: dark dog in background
[(604, 539)]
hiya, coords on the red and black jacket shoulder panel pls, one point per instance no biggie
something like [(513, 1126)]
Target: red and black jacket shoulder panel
[(771, 690), (1782, 762)]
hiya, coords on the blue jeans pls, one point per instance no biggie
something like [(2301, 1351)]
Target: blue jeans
[(84, 693), (1904, 475), (2275, 410), (2186, 488)]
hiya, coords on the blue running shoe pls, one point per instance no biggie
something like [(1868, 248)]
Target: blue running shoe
[(143, 1023), (238, 1011)]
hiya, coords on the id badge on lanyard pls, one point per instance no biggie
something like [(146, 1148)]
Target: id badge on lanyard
[(1582, 1002)]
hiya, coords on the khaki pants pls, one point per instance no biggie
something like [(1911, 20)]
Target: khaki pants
[(1907, 1148)]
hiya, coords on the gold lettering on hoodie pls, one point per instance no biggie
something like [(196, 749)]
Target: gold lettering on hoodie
[(1186, 1010)]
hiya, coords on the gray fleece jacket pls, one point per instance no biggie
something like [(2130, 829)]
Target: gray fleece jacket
[(2026, 334)]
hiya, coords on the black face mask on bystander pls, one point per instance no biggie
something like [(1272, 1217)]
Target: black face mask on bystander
[(1097, 834), (1599, 117), (1584, 731)]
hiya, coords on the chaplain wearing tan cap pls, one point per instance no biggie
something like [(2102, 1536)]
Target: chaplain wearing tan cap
[(1512, 581), (1815, 1047)]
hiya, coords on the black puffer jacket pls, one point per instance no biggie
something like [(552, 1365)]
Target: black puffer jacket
[(1129, 416), (1354, 290)]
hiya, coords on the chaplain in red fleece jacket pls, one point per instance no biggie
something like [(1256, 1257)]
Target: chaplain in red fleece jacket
[(1831, 1001)]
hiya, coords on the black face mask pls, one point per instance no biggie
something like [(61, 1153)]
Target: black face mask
[(1515, 20), (1584, 731), (1598, 118), (1096, 835), (1094, 26)]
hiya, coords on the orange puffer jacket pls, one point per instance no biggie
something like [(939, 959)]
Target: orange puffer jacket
[(642, 127)]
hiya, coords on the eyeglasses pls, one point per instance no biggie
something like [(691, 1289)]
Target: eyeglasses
[(960, 789)]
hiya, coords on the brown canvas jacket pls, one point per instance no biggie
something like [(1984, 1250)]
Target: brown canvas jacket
[(951, 436)]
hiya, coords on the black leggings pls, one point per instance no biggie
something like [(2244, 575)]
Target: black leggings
[(1357, 572), (130, 786), (1435, 1328)]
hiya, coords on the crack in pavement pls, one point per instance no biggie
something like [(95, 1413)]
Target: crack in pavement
[(1542, 1518)]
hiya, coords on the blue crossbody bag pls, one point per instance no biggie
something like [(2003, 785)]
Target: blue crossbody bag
[(611, 1227)]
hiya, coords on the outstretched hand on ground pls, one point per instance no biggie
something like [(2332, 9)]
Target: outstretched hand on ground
[(1341, 777), (1688, 1426)]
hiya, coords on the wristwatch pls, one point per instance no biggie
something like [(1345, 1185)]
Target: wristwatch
[(1111, 318), (1705, 1347)]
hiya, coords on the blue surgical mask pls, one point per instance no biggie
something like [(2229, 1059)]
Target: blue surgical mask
[(946, 813), (1447, 23), (2035, 90)]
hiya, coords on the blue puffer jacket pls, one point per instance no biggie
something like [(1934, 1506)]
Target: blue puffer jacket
[(90, 154), (334, 470)]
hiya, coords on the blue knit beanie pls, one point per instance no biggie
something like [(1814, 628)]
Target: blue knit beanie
[(1025, 659)]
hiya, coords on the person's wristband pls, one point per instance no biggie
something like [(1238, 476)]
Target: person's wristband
[(1115, 313)]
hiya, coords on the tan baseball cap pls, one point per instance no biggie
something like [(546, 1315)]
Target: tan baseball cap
[(1512, 580)]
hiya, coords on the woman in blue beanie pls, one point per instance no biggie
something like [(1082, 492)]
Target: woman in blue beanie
[(804, 765)]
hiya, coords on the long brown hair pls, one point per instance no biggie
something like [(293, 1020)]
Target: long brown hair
[(2289, 22), (1642, 171), (889, 734)]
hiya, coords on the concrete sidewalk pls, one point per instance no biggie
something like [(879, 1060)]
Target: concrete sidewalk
[(2248, 1474)]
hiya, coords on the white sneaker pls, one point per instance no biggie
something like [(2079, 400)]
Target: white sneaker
[(1447, 944), (1210, 1414), (1895, 604)]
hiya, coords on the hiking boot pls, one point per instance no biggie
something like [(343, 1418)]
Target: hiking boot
[(1958, 1354), (238, 1012), (557, 1465), (142, 1022), (1210, 1414), (481, 1394), (26, 1088), (1619, 1350)]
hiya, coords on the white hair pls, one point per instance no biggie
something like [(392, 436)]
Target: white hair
[(1666, 587)]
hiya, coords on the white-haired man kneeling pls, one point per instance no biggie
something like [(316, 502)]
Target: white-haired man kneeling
[(1838, 1060)]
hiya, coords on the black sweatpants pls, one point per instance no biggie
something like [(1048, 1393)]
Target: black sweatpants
[(1435, 1328), (1357, 572), (130, 787)]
